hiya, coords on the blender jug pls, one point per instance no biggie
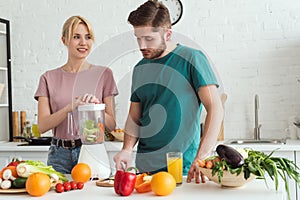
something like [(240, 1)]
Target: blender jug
[(91, 123)]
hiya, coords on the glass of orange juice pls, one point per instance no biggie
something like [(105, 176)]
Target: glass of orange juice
[(174, 163)]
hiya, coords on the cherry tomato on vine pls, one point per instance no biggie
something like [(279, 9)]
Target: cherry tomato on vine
[(67, 186), (73, 185), (59, 187), (80, 185)]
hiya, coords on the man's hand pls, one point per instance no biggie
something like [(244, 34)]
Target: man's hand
[(123, 159), (195, 173)]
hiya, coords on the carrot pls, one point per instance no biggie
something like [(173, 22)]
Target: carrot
[(208, 164), (13, 170), (216, 159), (201, 163), (101, 126)]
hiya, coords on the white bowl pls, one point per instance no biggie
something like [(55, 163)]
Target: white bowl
[(228, 179)]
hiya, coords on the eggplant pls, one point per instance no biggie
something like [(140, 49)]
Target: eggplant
[(231, 156)]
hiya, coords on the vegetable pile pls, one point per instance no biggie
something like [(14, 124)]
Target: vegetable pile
[(9, 177), (15, 174), (249, 162)]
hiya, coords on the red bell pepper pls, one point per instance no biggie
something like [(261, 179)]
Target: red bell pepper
[(124, 182), (14, 162)]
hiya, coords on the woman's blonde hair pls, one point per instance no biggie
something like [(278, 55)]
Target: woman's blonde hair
[(71, 24)]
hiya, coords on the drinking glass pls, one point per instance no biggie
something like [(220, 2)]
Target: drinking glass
[(174, 163)]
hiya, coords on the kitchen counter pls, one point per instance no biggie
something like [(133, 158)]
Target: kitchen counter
[(22, 146), (291, 145), (254, 190)]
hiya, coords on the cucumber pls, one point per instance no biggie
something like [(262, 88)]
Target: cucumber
[(19, 182)]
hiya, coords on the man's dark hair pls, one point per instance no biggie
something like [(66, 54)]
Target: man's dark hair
[(151, 13)]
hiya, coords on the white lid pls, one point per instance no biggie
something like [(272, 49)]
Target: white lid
[(91, 107)]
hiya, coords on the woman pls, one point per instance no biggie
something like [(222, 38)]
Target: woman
[(63, 89)]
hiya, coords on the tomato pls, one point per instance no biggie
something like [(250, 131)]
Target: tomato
[(67, 186), (80, 185), (59, 187), (73, 185)]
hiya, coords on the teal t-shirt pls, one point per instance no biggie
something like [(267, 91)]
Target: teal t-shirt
[(167, 90)]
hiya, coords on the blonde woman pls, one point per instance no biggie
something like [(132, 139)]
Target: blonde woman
[(62, 89)]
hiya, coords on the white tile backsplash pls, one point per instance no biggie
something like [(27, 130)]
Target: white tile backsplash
[(254, 45)]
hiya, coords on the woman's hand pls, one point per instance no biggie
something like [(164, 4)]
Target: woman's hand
[(89, 98), (81, 100)]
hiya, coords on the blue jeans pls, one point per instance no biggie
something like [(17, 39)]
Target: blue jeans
[(61, 159)]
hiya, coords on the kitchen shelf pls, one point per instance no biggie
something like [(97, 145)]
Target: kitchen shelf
[(6, 125)]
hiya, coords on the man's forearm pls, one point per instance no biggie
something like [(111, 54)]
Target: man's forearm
[(129, 142)]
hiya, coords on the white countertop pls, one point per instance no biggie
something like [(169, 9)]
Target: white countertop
[(291, 145), (21, 146), (254, 190)]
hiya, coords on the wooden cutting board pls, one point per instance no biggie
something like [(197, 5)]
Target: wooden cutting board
[(105, 183), (13, 191)]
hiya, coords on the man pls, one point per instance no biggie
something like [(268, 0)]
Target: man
[(169, 86)]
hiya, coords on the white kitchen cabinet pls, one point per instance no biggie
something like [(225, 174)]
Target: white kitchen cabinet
[(7, 156), (112, 151), (41, 156)]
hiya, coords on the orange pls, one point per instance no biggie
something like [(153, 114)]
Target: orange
[(38, 184), (81, 172), (163, 183)]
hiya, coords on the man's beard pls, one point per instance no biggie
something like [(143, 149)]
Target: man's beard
[(154, 53)]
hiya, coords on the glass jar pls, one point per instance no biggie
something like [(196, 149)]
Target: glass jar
[(91, 118), (34, 128)]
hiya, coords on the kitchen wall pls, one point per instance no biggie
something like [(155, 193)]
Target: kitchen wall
[(253, 44)]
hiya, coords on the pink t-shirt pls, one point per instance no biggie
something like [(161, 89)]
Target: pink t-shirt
[(62, 87)]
